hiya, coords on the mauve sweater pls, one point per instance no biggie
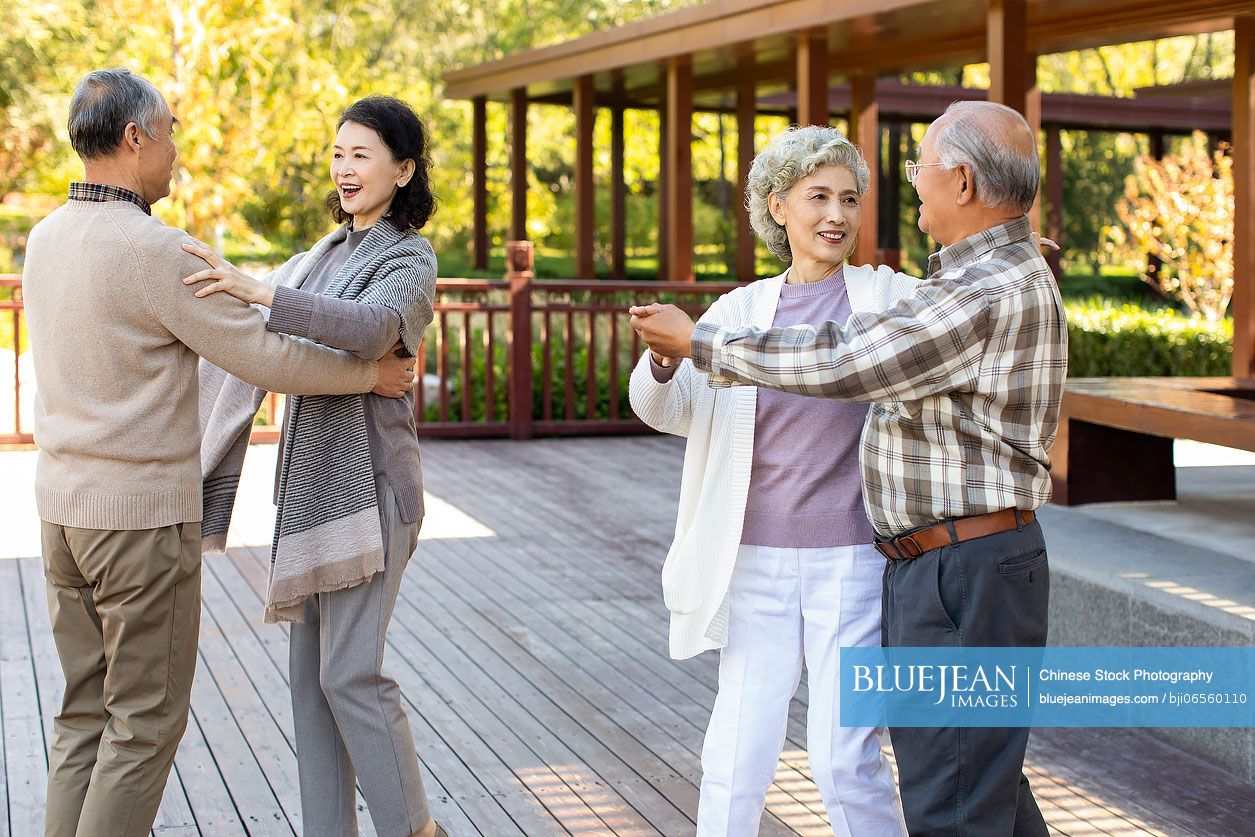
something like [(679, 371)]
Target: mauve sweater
[(805, 488)]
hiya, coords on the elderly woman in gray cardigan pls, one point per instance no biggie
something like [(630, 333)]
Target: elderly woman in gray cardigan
[(350, 492), (772, 559)]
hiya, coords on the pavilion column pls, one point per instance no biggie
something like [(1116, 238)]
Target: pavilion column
[(1158, 146), (1013, 69), (865, 133), (1243, 303), (679, 179), (618, 193), (746, 109), (585, 206), (1054, 196), (518, 164), (890, 183), (479, 178), (664, 221), (812, 78)]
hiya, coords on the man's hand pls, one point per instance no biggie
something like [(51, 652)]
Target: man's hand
[(396, 374), (664, 328)]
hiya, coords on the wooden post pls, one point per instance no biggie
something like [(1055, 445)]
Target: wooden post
[(518, 164), (1006, 44), (812, 78), (1054, 195), (618, 196), (865, 133), (746, 109), (1243, 303), (679, 195), (1158, 146), (664, 220), (890, 199), (479, 176), (585, 206), (519, 260), (1013, 70)]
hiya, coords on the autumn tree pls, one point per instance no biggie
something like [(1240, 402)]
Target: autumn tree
[(1180, 210)]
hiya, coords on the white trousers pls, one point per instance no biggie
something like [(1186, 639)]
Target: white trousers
[(788, 606)]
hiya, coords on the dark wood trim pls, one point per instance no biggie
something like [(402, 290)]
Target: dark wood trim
[(679, 193), (1243, 302), (618, 196), (1054, 197), (811, 81), (518, 164), (865, 133), (745, 238), (585, 185), (479, 177)]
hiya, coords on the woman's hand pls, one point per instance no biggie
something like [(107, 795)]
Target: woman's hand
[(396, 374), (227, 278)]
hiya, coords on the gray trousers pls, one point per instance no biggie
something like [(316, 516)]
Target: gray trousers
[(349, 719), (991, 591)]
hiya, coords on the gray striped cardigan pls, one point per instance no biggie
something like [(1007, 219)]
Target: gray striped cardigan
[(327, 530)]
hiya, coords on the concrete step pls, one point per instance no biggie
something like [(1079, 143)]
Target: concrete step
[(1112, 584)]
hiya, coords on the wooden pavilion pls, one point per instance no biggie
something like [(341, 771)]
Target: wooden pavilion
[(760, 56)]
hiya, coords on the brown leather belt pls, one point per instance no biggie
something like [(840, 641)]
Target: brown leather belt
[(906, 547)]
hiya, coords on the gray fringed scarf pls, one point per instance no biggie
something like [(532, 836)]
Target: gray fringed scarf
[(327, 531)]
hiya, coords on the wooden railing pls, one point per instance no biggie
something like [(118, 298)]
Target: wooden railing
[(12, 339), (502, 358)]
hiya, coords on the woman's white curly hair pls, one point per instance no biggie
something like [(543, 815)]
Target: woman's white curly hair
[(794, 154)]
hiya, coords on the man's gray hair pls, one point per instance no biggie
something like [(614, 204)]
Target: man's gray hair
[(980, 135), (104, 102), (791, 156)]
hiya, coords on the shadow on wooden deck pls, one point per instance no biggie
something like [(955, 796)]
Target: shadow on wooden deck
[(530, 643)]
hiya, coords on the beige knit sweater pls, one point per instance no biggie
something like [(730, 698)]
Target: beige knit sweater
[(116, 335)]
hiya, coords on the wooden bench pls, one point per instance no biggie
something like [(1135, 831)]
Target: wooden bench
[(1115, 434)]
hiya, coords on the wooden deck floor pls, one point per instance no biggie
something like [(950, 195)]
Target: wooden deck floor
[(531, 647)]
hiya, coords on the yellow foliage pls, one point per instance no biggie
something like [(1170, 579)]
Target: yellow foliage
[(1180, 210)]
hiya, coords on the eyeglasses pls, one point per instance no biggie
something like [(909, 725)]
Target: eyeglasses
[(912, 169)]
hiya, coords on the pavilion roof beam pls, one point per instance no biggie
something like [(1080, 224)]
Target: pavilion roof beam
[(1151, 109), (879, 36)]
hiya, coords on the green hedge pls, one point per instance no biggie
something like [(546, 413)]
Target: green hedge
[(1122, 339)]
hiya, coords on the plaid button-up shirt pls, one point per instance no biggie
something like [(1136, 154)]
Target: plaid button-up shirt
[(99, 193), (966, 376)]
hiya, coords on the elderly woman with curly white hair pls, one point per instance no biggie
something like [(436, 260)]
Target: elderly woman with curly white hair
[(772, 560)]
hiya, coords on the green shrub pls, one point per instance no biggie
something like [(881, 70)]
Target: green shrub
[(1107, 338)]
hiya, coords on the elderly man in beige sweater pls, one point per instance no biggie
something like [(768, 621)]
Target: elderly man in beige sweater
[(116, 337)]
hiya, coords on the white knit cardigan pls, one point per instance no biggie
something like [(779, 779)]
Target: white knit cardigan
[(719, 425)]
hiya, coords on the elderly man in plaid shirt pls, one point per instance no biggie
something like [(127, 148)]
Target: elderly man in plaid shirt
[(966, 378)]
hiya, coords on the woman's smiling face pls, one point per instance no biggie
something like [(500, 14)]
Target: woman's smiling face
[(821, 216), (364, 173)]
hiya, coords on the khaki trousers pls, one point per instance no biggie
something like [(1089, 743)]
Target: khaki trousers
[(125, 608)]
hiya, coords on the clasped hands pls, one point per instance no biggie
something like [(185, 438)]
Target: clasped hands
[(665, 329), (396, 373)]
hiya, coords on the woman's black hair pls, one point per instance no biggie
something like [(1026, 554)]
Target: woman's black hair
[(403, 133)]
